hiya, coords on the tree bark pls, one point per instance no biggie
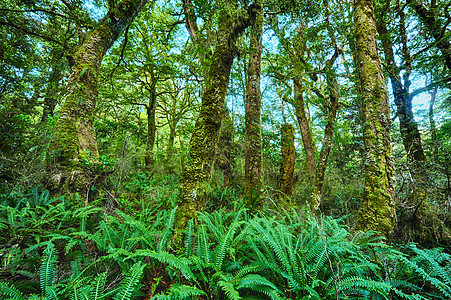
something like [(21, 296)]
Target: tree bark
[(305, 128), (170, 146), (51, 94), (224, 155), (75, 138), (197, 171), (408, 127), (377, 210), (432, 125), (253, 169), (288, 160), (151, 129)]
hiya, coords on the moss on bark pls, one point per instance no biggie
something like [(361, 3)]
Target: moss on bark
[(288, 160), (377, 210), (253, 169), (74, 142), (224, 155), (197, 172)]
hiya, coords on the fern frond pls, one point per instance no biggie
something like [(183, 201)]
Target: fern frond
[(180, 291), (189, 241), (362, 284), (98, 286), (181, 264), (229, 290), (163, 245), (48, 268), (10, 291), (224, 244), (130, 283)]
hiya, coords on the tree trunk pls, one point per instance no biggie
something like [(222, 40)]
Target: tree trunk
[(74, 138), (408, 127), (288, 160), (253, 171), (170, 146), (197, 171), (306, 130), (432, 125), (224, 157), (51, 95), (151, 129), (376, 211), (333, 105)]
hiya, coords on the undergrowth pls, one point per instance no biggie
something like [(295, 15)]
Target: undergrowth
[(54, 248)]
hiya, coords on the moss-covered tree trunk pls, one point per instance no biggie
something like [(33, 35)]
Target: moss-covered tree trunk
[(253, 169), (377, 210), (432, 125), (75, 140), (224, 154), (151, 130), (197, 171), (288, 160), (171, 139), (303, 119), (51, 93)]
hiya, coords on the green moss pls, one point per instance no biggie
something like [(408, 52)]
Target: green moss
[(376, 212)]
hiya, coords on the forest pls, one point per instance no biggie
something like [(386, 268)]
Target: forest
[(225, 149)]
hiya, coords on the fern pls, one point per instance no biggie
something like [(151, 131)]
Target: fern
[(48, 268), (10, 291), (179, 291), (229, 290), (98, 286), (131, 283), (225, 242)]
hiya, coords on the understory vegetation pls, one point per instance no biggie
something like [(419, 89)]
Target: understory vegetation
[(56, 248)]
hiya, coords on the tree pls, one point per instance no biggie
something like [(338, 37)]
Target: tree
[(377, 210), (231, 23), (75, 140), (305, 76), (400, 85), (253, 169), (288, 159)]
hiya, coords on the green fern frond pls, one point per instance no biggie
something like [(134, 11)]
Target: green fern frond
[(441, 286), (179, 291), (224, 244), (351, 284), (10, 291), (98, 286), (203, 244), (163, 245), (181, 264), (189, 241), (48, 268), (130, 283), (229, 290)]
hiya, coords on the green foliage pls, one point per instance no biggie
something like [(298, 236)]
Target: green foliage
[(226, 255)]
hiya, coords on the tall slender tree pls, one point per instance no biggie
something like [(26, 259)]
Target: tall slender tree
[(400, 85), (253, 169), (377, 210)]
